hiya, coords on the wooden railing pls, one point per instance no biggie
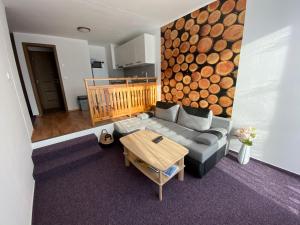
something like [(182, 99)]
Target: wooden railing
[(115, 100)]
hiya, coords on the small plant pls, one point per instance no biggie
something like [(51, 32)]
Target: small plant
[(246, 135)]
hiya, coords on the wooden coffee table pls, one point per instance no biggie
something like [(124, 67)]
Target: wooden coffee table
[(143, 153)]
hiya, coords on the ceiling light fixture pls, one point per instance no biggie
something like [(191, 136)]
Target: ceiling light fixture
[(84, 29)]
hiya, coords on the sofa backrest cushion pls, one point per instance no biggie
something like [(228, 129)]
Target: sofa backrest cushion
[(166, 111), (195, 118)]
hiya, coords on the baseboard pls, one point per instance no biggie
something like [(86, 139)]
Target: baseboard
[(270, 165), (73, 110)]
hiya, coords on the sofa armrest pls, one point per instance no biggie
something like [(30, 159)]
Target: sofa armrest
[(220, 122)]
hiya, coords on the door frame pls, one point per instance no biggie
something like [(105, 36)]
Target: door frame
[(32, 76)]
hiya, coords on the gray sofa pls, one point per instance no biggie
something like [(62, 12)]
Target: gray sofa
[(202, 157)]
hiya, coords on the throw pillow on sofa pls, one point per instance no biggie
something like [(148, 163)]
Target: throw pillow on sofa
[(206, 138), (195, 118), (211, 136), (166, 111)]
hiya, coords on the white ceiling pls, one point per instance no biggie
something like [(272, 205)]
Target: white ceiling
[(111, 21)]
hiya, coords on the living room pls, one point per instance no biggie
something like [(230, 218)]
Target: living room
[(212, 102)]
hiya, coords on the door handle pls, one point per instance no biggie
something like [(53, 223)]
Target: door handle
[(37, 81)]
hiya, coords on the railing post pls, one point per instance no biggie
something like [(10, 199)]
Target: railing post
[(155, 91), (128, 97), (89, 101)]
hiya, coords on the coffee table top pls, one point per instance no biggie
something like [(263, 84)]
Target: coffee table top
[(161, 155)]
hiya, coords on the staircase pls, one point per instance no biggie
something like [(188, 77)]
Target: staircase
[(54, 159)]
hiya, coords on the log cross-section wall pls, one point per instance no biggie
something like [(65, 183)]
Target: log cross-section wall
[(200, 56)]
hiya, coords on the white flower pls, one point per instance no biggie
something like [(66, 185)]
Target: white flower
[(246, 134)]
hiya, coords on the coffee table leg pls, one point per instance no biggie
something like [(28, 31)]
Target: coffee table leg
[(127, 163), (160, 193), (160, 186), (181, 173)]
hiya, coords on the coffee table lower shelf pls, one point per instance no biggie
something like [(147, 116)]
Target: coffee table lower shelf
[(157, 177)]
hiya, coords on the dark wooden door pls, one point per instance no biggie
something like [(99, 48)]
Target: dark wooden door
[(47, 80)]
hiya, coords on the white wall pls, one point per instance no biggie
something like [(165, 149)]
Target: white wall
[(157, 38), (21, 98), (17, 185), (98, 53), (74, 61), (268, 94)]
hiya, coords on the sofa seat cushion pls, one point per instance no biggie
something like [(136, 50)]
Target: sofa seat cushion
[(184, 136), (169, 129), (175, 132), (129, 125), (202, 152)]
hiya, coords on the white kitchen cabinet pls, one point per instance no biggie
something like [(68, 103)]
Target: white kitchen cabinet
[(138, 51), (129, 57), (120, 54)]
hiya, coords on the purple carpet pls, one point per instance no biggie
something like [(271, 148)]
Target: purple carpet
[(104, 192)]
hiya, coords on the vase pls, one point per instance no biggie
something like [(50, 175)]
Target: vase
[(244, 154)]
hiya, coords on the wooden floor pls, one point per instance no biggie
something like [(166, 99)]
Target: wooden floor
[(60, 123)]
